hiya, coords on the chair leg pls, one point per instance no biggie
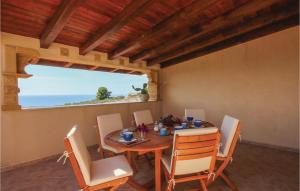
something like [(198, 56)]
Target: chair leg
[(101, 152), (203, 185), (229, 182), (148, 160), (134, 165), (113, 188)]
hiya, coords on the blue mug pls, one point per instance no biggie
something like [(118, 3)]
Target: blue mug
[(189, 118), (197, 123), (127, 136), (184, 125), (163, 132)]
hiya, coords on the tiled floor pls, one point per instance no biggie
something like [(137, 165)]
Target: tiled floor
[(254, 168)]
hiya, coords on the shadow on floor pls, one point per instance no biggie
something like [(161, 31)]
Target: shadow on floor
[(253, 168)]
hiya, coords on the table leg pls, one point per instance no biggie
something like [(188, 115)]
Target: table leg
[(131, 181), (129, 158), (157, 170)]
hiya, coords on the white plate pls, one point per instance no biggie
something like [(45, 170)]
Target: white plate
[(178, 127), (124, 141)]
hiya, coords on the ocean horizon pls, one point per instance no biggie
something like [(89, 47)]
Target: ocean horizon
[(53, 100)]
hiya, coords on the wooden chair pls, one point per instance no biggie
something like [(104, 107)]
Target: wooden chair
[(107, 124), (193, 156), (143, 116), (196, 113), (140, 117), (91, 175), (230, 132)]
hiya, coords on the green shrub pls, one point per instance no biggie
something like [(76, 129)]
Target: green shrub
[(103, 93)]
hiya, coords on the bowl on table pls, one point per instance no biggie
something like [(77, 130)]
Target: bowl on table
[(178, 127), (184, 125), (197, 123), (189, 118), (128, 136)]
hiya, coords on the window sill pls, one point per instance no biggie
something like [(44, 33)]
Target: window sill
[(84, 105)]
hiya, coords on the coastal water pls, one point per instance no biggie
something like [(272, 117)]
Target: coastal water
[(52, 100)]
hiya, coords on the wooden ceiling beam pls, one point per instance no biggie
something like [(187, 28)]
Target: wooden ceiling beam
[(115, 24), (232, 16), (256, 33), (222, 34), (182, 16), (58, 21)]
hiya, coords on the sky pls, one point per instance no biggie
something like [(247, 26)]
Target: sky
[(47, 80)]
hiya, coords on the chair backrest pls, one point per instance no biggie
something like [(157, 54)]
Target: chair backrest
[(109, 123), (143, 116), (196, 113), (228, 130), (75, 145), (194, 150)]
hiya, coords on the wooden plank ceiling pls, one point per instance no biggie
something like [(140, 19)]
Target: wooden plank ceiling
[(156, 31)]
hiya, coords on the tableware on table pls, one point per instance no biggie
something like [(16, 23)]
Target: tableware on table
[(184, 125), (189, 118), (128, 136), (160, 125), (122, 140), (143, 129), (197, 123), (178, 127), (123, 131), (163, 131), (156, 126)]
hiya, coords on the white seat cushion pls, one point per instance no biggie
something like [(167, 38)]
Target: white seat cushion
[(107, 124), (81, 153), (220, 154), (195, 113), (107, 147), (143, 116), (228, 129), (166, 161), (109, 169), (187, 166)]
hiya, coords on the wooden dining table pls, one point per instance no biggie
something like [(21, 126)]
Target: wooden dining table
[(153, 143)]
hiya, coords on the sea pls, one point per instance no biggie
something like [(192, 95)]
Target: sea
[(52, 100)]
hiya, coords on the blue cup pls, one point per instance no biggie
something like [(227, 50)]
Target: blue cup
[(190, 119), (127, 136), (197, 123), (184, 125), (163, 132)]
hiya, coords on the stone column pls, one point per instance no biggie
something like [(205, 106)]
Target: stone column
[(10, 90), (152, 85), (14, 60)]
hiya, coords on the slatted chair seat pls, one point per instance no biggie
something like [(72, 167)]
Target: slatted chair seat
[(193, 156)]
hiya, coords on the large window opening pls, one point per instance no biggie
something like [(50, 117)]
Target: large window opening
[(55, 86)]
